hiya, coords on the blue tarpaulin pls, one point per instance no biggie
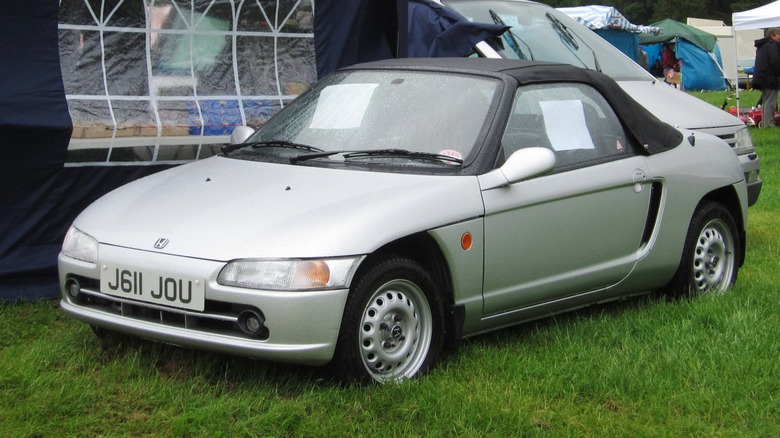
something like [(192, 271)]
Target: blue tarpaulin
[(626, 42), (347, 32), (35, 128), (437, 32)]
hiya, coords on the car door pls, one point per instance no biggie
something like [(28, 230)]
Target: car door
[(578, 229)]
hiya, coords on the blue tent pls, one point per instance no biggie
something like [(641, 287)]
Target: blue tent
[(698, 51)]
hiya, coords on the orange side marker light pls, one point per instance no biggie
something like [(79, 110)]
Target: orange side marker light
[(466, 241)]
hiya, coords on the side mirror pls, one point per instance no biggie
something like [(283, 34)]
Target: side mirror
[(240, 134), (521, 165)]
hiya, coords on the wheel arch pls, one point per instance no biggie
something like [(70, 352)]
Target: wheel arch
[(422, 248), (728, 197)]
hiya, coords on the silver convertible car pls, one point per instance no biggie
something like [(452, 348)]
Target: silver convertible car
[(399, 206)]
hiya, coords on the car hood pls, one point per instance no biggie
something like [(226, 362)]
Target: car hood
[(676, 107), (222, 209)]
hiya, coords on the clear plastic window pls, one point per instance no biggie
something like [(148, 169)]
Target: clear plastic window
[(574, 120)]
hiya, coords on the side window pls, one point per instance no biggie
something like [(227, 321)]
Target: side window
[(574, 120)]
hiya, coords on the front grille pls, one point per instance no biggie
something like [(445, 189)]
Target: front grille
[(218, 317), (731, 139)]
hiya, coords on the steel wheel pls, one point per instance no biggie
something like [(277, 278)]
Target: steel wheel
[(711, 255), (714, 258), (393, 324), (395, 331)]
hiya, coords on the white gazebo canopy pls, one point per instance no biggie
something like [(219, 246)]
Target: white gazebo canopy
[(758, 18)]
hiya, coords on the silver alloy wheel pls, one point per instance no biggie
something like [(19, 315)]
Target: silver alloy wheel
[(395, 331), (713, 257)]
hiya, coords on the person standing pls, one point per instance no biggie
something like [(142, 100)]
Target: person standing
[(766, 75)]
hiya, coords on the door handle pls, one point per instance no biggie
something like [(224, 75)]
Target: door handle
[(639, 178)]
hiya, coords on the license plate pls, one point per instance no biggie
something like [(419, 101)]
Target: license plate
[(152, 287)]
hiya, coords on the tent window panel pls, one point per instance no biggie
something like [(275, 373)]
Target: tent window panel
[(258, 112), (134, 118), (176, 117), (166, 68), (126, 74), (81, 62), (251, 18), (91, 118), (256, 60), (128, 14), (220, 79), (76, 12), (296, 64), (180, 49)]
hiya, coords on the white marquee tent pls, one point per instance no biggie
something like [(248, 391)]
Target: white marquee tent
[(759, 18)]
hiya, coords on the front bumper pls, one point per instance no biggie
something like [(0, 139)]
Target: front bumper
[(751, 164), (302, 327)]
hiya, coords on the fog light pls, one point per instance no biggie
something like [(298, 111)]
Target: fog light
[(73, 288), (252, 323)]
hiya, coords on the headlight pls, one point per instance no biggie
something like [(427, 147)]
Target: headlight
[(80, 245), (290, 275), (744, 143)]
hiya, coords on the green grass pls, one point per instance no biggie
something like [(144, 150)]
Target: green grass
[(644, 367), (747, 98)]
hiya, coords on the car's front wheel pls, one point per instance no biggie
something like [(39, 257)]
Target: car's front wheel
[(710, 260), (392, 329)]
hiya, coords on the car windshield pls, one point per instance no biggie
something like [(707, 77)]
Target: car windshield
[(382, 117), (542, 33)]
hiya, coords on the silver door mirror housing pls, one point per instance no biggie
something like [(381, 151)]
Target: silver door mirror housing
[(523, 164), (240, 134)]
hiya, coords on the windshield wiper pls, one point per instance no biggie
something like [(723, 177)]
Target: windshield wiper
[(314, 156), (563, 31), (270, 143), (569, 40), (403, 153), (379, 153), (510, 37)]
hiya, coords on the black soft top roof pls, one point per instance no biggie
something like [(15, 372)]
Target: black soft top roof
[(655, 135)]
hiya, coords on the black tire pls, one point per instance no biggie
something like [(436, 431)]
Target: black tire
[(710, 259), (393, 324)]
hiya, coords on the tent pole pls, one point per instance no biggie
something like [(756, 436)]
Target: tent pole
[(736, 65)]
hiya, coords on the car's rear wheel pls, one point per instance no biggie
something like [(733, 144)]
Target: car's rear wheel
[(392, 329), (710, 260)]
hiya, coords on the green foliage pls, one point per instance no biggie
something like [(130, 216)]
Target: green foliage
[(642, 367)]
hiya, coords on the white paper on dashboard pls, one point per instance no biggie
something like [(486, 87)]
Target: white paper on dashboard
[(564, 121), (342, 106)]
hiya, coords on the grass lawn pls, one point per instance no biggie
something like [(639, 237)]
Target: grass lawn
[(645, 367)]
